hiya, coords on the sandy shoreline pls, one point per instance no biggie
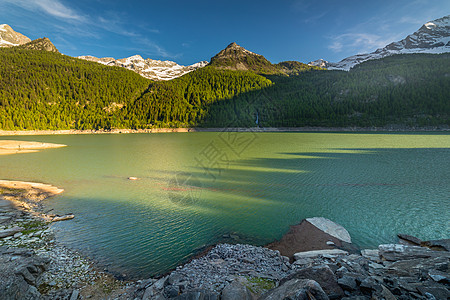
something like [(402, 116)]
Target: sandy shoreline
[(15, 147), (393, 128)]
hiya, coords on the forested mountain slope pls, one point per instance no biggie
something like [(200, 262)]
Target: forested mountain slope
[(411, 90), (46, 90)]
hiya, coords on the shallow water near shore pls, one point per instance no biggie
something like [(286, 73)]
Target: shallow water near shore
[(194, 188)]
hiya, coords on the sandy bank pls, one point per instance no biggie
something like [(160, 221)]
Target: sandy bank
[(27, 195), (15, 147), (393, 128)]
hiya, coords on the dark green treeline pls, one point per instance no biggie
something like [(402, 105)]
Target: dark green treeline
[(43, 90)]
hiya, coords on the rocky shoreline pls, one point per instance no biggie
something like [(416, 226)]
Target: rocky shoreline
[(33, 265), (314, 260)]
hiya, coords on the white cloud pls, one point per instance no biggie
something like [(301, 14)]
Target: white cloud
[(90, 26), (154, 49), (313, 18), (359, 42), (54, 8)]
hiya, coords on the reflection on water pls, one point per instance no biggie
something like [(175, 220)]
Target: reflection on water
[(195, 189)]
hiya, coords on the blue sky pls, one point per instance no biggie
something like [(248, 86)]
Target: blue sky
[(188, 31)]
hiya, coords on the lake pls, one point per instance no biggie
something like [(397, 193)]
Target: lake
[(195, 189)]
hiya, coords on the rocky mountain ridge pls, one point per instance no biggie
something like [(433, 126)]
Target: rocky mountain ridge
[(432, 37), (235, 57), (43, 44), (148, 68)]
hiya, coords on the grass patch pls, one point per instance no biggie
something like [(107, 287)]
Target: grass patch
[(258, 285), (44, 288), (33, 226)]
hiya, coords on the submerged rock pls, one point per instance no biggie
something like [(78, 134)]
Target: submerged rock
[(308, 237), (440, 245), (63, 218), (409, 239)]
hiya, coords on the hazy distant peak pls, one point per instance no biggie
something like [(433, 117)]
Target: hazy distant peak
[(432, 37), (148, 68)]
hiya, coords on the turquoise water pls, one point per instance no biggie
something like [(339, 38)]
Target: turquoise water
[(193, 188)]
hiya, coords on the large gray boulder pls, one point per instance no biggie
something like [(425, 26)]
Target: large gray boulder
[(296, 289), (198, 295), (236, 291), (323, 275)]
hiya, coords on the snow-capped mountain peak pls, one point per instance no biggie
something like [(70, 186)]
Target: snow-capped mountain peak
[(148, 68), (432, 37), (10, 38)]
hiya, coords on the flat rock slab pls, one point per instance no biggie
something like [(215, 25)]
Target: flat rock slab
[(10, 232), (331, 228), (317, 253), (396, 252)]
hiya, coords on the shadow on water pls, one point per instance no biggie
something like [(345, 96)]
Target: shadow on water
[(374, 193)]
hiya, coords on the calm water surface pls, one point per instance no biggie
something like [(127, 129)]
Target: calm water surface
[(194, 188)]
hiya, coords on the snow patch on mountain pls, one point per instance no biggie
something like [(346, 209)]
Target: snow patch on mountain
[(148, 68), (10, 38), (432, 37)]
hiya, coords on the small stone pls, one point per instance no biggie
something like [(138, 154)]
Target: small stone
[(52, 283), (347, 283), (376, 266), (371, 254), (75, 294), (171, 291), (439, 276)]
